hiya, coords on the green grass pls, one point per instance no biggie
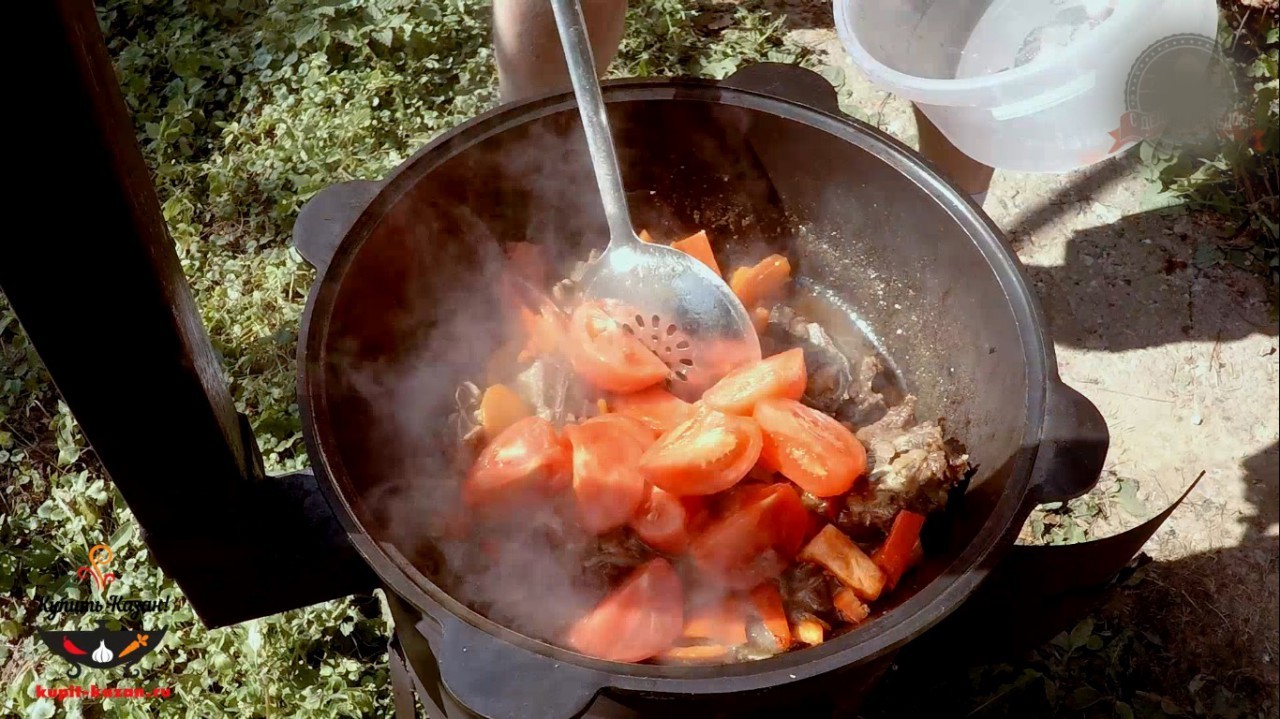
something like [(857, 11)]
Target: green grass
[(244, 110)]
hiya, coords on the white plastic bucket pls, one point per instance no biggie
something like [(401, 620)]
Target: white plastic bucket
[(1028, 85)]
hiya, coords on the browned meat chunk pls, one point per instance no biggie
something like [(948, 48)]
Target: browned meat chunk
[(912, 466)]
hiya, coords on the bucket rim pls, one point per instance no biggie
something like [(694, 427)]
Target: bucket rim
[(981, 91)]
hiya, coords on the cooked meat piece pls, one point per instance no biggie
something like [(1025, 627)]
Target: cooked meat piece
[(828, 507), (805, 590), (894, 422), (911, 465), (580, 268), (614, 555), (465, 422), (866, 404), (830, 374), (566, 294)]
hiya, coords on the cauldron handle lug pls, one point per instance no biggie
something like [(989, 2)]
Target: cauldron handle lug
[(1073, 446), (788, 82), (498, 679), (325, 219)]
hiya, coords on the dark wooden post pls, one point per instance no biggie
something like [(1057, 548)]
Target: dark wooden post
[(98, 287)]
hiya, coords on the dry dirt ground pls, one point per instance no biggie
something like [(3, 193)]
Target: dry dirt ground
[(1178, 348)]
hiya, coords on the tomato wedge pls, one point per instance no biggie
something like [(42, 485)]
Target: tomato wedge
[(633, 428), (756, 539), (608, 356), (642, 618), (655, 407), (810, 448), (525, 456), (782, 375), (607, 484), (662, 521), (708, 453)]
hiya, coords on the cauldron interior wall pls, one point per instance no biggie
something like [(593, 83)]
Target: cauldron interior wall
[(852, 225)]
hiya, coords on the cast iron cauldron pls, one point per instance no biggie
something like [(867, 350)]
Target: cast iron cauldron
[(863, 219)]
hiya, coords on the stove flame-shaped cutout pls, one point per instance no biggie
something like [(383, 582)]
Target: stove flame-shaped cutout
[(102, 655)]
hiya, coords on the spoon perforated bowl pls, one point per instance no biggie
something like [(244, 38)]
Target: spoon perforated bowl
[(669, 295)]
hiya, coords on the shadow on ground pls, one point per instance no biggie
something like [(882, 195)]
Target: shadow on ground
[(1196, 636), (1140, 283), (1157, 646)]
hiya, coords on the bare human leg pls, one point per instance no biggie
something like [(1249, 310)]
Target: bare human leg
[(971, 176), (527, 46)]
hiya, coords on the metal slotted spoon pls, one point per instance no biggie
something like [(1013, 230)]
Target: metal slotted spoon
[(676, 305)]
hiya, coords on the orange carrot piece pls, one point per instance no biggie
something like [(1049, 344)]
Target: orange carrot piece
[(768, 605), (695, 654), (762, 281), (810, 631), (896, 555), (698, 247), (760, 319), (645, 236), (836, 553), (501, 407), (723, 623), (851, 608)]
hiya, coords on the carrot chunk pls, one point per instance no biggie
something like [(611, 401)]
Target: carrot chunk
[(698, 247), (762, 281), (836, 553)]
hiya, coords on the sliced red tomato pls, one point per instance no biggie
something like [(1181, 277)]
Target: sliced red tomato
[(708, 453), (527, 456), (607, 484), (782, 375), (900, 550), (662, 521), (608, 356), (810, 448), (643, 617), (756, 539), (655, 407), (634, 428)]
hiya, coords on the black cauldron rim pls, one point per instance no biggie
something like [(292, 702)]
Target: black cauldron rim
[(462, 629)]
